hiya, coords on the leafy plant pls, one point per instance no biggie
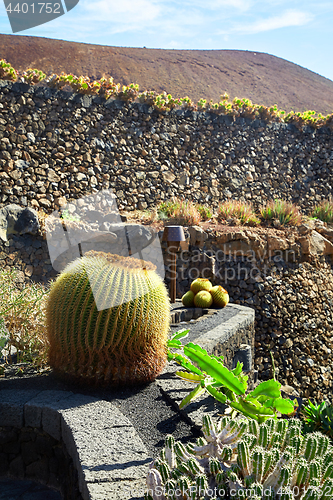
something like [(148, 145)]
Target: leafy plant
[(239, 210), (285, 212), (67, 216), (318, 417), (7, 72), (227, 386), (33, 76), (167, 208), (242, 108), (324, 211), (22, 315), (244, 459)]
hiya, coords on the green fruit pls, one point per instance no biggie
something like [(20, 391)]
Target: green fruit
[(107, 320), (203, 299), (188, 299), (200, 284), (220, 296)]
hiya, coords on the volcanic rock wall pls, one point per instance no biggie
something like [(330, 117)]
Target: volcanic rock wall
[(56, 146)]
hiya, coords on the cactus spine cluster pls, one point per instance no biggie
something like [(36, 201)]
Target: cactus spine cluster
[(124, 343), (244, 459)]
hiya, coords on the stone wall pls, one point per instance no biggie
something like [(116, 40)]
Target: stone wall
[(29, 453), (56, 146), (287, 278)]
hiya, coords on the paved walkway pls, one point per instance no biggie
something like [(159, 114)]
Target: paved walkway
[(13, 489)]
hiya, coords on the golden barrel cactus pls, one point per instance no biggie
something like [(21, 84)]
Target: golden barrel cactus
[(108, 319)]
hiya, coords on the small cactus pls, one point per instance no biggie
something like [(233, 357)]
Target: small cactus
[(203, 299), (231, 459), (220, 296), (200, 284), (188, 299)]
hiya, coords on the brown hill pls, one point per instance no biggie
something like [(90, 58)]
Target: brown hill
[(262, 78)]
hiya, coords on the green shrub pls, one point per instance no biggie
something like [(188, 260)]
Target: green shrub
[(324, 211), (167, 208), (285, 212)]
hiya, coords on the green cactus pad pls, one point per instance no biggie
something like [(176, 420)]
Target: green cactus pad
[(200, 284), (203, 299), (220, 296), (188, 299), (124, 343)]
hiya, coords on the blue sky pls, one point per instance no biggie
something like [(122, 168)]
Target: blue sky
[(299, 31)]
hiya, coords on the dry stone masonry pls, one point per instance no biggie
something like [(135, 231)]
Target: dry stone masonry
[(56, 146)]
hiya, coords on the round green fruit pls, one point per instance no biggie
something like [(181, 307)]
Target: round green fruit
[(200, 284), (203, 299), (220, 296), (188, 299)]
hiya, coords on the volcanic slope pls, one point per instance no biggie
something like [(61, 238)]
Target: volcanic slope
[(262, 78)]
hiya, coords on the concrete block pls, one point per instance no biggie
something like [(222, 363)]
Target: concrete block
[(242, 317), (12, 406), (33, 408), (51, 413)]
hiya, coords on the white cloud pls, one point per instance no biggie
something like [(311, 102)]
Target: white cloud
[(125, 12), (287, 19)]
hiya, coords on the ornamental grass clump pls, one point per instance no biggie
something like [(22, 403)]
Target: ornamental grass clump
[(324, 211), (205, 212), (239, 210), (107, 320), (285, 212), (243, 459), (180, 212), (22, 319)]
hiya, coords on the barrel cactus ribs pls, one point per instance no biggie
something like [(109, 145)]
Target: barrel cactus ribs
[(244, 459), (121, 342)]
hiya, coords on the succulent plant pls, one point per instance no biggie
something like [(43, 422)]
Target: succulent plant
[(188, 299), (244, 459), (203, 299), (318, 417), (227, 386), (107, 320), (200, 284), (220, 296)]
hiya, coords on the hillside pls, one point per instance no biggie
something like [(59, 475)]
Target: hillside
[(262, 78)]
